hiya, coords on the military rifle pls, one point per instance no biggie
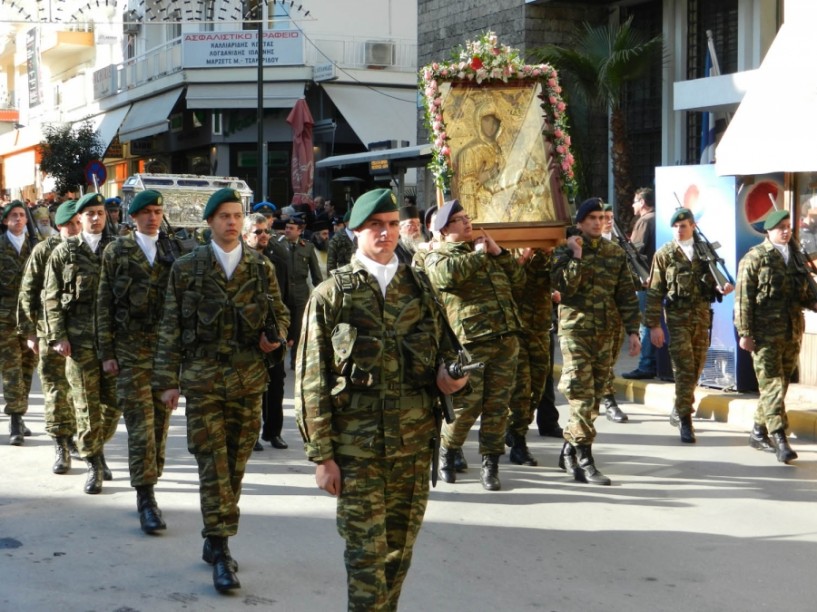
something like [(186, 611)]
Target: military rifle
[(638, 263), (708, 253)]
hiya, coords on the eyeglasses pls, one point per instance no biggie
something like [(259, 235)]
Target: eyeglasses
[(462, 218), (258, 232)]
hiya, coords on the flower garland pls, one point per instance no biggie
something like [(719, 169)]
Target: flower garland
[(484, 60)]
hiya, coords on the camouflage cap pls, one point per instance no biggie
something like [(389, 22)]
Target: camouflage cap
[(682, 214), (774, 219), (11, 206), (451, 207), (218, 198), (89, 199), (148, 197), (65, 212), (371, 203), (588, 206)]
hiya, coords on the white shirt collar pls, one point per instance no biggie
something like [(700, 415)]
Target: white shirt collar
[(384, 273), (229, 261), (147, 244)]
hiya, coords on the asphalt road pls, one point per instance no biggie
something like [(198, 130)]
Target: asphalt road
[(715, 526)]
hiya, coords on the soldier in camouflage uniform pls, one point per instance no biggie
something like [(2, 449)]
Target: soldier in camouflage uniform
[(60, 420), (772, 292), (533, 363), (597, 296), (683, 284), (132, 287), (16, 361), (69, 301), (302, 264), (341, 246), (476, 279), (366, 378), (212, 339)]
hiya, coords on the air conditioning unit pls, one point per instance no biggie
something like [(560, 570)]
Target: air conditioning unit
[(379, 54)]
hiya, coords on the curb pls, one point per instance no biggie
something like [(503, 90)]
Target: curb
[(724, 407)]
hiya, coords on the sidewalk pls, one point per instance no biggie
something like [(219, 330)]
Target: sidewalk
[(712, 404)]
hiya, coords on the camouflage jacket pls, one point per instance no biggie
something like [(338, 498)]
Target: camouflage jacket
[(340, 250), (770, 295), (211, 326), (598, 295), (69, 292), (477, 290), (302, 263), (130, 300), (12, 264), (30, 314), (533, 298), (366, 374), (685, 285)]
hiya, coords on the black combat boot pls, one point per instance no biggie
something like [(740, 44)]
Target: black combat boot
[(106, 471), (489, 476), (150, 517), (15, 429), (224, 578), (72, 448), (62, 456), (784, 451), (567, 458), (93, 483), (759, 439), (687, 430), (674, 418), (208, 556), (586, 470), (448, 471), (520, 454), (460, 464), (613, 412)]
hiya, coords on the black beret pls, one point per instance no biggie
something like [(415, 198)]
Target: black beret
[(774, 219), (89, 199), (65, 212), (588, 206), (221, 196), (444, 214), (148, 197), (681, 214), (11, 206), (371, 203)]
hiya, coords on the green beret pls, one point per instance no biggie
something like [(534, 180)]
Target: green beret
[(218, 198), (11, 206), (371, 203), (148, 197), (774, 219), (65, 212), (89, 199), (682, 214)]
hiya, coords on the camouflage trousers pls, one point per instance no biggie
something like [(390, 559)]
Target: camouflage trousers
[(17, 362), (94, 395), (615, 349), (587, 361), (532, 367), (147, 419), (60, 419), (380, 511), (221, 433), (688, 344), (488, 399), (774, 363)]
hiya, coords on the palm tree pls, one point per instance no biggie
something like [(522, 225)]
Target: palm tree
[(595, 68)]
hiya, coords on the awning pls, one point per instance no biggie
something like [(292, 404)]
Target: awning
[(775, 126), (106, 125), (377, 113), (243, 95), (149, 116)]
